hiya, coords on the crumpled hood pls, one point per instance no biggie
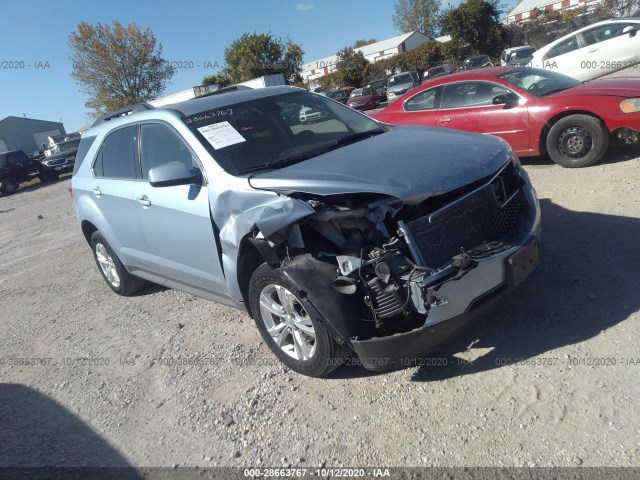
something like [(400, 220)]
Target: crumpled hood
[(408, 162)]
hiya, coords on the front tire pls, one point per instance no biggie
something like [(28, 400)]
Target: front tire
[(292, 333), (8, 187), (111, 269), (577, 141)]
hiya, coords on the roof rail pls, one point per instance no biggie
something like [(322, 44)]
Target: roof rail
[(232, 88), (138, 107)]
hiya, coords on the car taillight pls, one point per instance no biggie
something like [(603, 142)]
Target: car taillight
[(70, 191)]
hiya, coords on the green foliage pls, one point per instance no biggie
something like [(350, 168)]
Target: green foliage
[(476, 23), (425, 56), (350, 67), (219, 79), (362, 43), (255, 55), (330, 81), (117, 66), (421, 15)]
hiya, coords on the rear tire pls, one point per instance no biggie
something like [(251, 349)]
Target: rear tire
[(577, 141), (293, 334), (111, 269), (8, 187)]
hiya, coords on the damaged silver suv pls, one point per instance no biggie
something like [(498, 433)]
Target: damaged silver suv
[(344, 237)]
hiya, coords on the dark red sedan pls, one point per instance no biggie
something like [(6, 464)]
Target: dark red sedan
[(363, 98), (537, 111)]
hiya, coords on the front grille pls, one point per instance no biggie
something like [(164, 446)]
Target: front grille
[(497, 212)]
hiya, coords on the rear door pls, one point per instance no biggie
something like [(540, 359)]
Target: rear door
[(115, 173), (422, 108), (568, 57), (469, 106), (178, 237)]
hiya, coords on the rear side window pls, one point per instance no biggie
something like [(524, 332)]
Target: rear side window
[(83, 148), (118, 156)]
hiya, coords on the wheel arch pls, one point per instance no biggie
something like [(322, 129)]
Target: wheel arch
[(249, 259), (88, 229), (542, 138)]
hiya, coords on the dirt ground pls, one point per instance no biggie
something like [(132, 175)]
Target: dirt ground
[(550, 378)]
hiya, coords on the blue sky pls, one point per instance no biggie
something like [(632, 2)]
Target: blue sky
[(34, 39)]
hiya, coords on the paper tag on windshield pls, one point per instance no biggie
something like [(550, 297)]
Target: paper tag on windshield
[(221, 135)]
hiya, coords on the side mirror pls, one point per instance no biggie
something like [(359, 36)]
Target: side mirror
[(631, 30), (506, 99), (174, 173)]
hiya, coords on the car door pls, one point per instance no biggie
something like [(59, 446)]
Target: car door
[(568, 57), (421, 109), (608, 49), (469, 106), (114, 175), (178, 237)]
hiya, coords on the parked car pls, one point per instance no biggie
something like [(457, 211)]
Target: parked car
[(537, 111), (345, 237), (340, 95), (381, 88), (479, 61), (517, 56), (308, 115), (401, 83), (60, 160), (593, 51), (363, 99), (326, 93), (15, 167), (437, 71)]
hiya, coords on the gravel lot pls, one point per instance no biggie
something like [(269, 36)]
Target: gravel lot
[(550, 378)]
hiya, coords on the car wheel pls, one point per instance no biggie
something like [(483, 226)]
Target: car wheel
[(8, 187), (292, 333), (112, 270), (48, 175), (577, 141)]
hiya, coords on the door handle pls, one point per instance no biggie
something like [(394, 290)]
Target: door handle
[(593, 50), (144, 201), (445, 120), (97, 191)]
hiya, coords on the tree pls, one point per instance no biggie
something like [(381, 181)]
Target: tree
[(219, 79), (350, 67), (255, 55), (117, 66), (421, 15), (475, 23), (363, 42)]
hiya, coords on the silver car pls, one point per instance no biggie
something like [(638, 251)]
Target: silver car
[(343, 238)]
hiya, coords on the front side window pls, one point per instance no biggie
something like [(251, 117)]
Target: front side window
[(118, 157), (277, 130), (470, 94), (160, 144), (603, 32)]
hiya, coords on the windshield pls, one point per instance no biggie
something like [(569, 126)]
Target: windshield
[(400, 79), (477, 61), (360, 92), (278, 130), (538, 81), (65, 147)]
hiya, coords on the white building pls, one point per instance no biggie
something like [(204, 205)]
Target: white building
[(376, 51), (523, 10)]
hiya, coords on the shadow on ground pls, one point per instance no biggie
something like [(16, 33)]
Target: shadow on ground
[(587, 282), (36, 431)]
